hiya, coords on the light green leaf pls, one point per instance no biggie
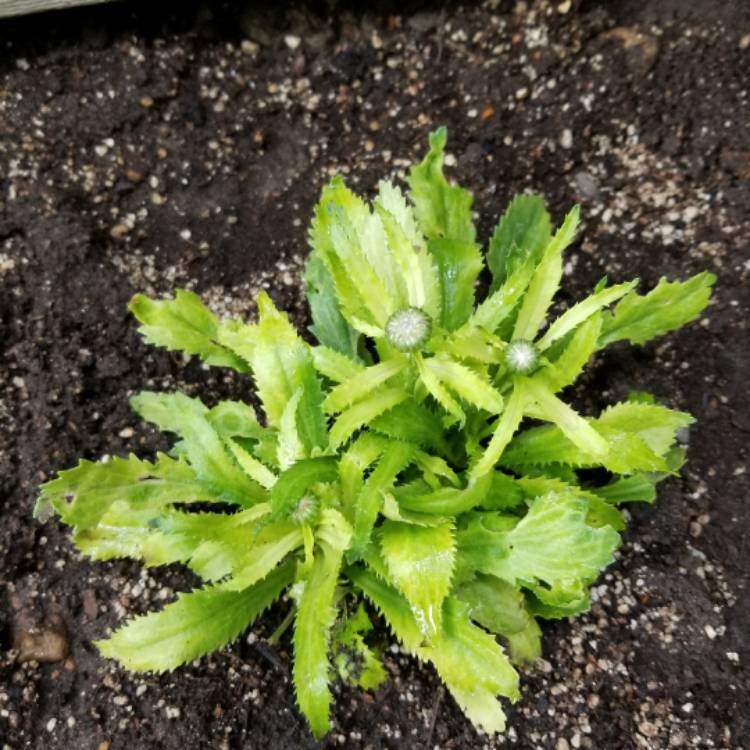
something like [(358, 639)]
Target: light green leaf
[(197, 623), (443, 210), (395, 458), (506, 426), (501, 608), (184, 324), (565, 369), (290, 446), (355, 661), (282, 364), (312, 632), (577, 314), (667, 307), (349, 240), (188, 417), (473, 666), (335, 366), (83, 494), (470, 386), (235, 419), (637, 488), (448, 501), (254, 468), (546, 281), (524, 229), (412, 423), (553, 542), (573, 426), (420, 564), (363, 413), (364, 382), (437, 390)]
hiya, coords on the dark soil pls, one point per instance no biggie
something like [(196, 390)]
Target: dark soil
[(145, 147)]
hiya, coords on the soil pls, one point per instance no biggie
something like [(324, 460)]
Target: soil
[(148, 146)]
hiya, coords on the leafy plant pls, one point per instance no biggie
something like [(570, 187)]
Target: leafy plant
[(416, 462)]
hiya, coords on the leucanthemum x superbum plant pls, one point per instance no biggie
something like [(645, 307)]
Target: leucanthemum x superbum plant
[(417, 463)]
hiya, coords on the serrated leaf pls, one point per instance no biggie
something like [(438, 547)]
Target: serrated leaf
[(197, 623), (546, 280), (364, 382), (335, 366), (569, 363), (448, 501), (670, 305), (412, 423), (420, 564), (342, 234), (188, 417), (329, 325), (282, 365), (471, 387), (184, 324), (443, 210), (638, 488), (83, 494), (470, 662), (312, 632), (504, 430), (459, 264), (524, 228), (573, 426), (501, 608), (411, 262), (553, 542), (395, 458), (577, 314), (364, 412), (235, 419)]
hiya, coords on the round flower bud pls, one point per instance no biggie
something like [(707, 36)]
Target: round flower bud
[(521, 357), (409, 329), (306, 510)]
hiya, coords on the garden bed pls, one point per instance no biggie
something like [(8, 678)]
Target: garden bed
[(144, 149)]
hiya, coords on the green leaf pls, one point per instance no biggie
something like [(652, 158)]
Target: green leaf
[(184, 324), (353, 246), (329, 325), (364, 382), (524, 230), (474, 668), (282, 365), (471, 387), (412, 423), (395, 458), (298, 479), (197, 623), (335, 366), (312, 632), (506, 426), (235, 419), (355, 661), (501, 608), (364, 412), (420, 563), (565, 369), (573, 426), (459, 264), (670, 305), (443, 210), (188, 417), (553, 542), (470, 662), (546, 280), (412, 264), (83, 494), (637, 488), (448, 501), (577, 314)]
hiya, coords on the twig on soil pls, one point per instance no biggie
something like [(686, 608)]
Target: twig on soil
[(438, 699)]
